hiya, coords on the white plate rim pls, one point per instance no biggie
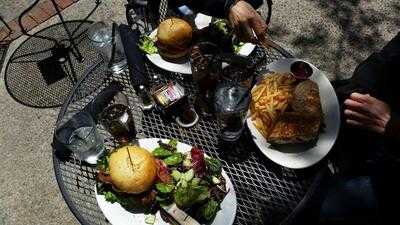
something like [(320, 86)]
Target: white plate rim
[(117, 215), (327, 138), (185, 67)]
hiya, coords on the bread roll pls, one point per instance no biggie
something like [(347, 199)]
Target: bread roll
[(306, 99), (174, 39), (174, 32), (132, 169)]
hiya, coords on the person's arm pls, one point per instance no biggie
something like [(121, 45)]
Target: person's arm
[(377, 109), (241, 15)]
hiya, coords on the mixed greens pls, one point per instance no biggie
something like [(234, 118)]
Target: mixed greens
[(147, 45), (190, 180), (223, 27)]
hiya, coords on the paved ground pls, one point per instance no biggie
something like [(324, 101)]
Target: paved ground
[(334, 35), (11, 9)]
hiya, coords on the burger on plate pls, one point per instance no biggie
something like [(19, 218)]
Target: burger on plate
[(174, 39), (131, 169)]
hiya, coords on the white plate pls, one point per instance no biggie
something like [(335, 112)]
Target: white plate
[(117, 215), (303, 156), (201, 21)]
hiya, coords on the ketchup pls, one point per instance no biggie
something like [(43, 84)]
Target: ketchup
[(301, 70)]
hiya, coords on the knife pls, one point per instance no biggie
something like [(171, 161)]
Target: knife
[(178, 216), (137, 72)]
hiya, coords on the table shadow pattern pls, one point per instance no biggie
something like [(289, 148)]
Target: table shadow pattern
[(23, 78), (266, 193)]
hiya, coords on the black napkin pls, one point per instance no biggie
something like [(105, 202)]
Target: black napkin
[(130, 39)]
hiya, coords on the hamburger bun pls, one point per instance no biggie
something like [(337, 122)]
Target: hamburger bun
[(174, 39), (306, 99), (132, 169)]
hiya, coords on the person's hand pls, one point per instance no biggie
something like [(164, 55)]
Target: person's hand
[(244, 18), (365, 111)]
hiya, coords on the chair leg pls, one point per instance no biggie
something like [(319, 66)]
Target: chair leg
[(77, 54)]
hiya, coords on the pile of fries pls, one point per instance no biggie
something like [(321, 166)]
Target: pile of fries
[(270, 98)]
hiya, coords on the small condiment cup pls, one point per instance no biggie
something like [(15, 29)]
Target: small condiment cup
[(301, 70)]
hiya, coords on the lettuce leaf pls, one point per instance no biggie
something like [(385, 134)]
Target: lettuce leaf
[(210, 209), (174, 159), (146, 44), (161, 153), (173, 142), (214, 166), (184, 197), (165, 188)]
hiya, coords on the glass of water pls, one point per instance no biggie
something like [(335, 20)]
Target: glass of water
[(80, 135), (231, 102), (107, 41)]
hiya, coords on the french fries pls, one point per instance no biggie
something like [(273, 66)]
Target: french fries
[(270, 98)]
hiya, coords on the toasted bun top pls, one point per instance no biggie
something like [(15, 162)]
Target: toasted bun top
[(132, 169), (306, 99), (175, 32)]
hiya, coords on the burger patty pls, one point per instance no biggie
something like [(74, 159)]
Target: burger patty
[(172, 49), (173, 53)]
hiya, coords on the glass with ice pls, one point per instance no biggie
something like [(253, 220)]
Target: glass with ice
[(80, 135), (231, 102)]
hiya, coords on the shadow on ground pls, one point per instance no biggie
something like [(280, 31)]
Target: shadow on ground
[(360, 34)]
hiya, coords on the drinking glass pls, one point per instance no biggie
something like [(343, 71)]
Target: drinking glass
[(107, 41), (117, 119), (79, 134), (206, 70), (231, 102)]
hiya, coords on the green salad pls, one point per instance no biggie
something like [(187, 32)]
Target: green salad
[(223, 26), (191, 180)]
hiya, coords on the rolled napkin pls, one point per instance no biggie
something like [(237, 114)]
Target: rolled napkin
[(130, 39)]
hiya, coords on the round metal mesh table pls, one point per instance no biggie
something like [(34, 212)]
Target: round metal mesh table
[(23, 79), (266, 192)]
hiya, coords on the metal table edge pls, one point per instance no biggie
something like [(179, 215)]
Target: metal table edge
[(80, 218), (56, 165)]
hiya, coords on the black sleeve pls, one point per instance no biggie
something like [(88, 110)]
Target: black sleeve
[(376, 74), (392, 130), (216, 8), (363, 81)]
